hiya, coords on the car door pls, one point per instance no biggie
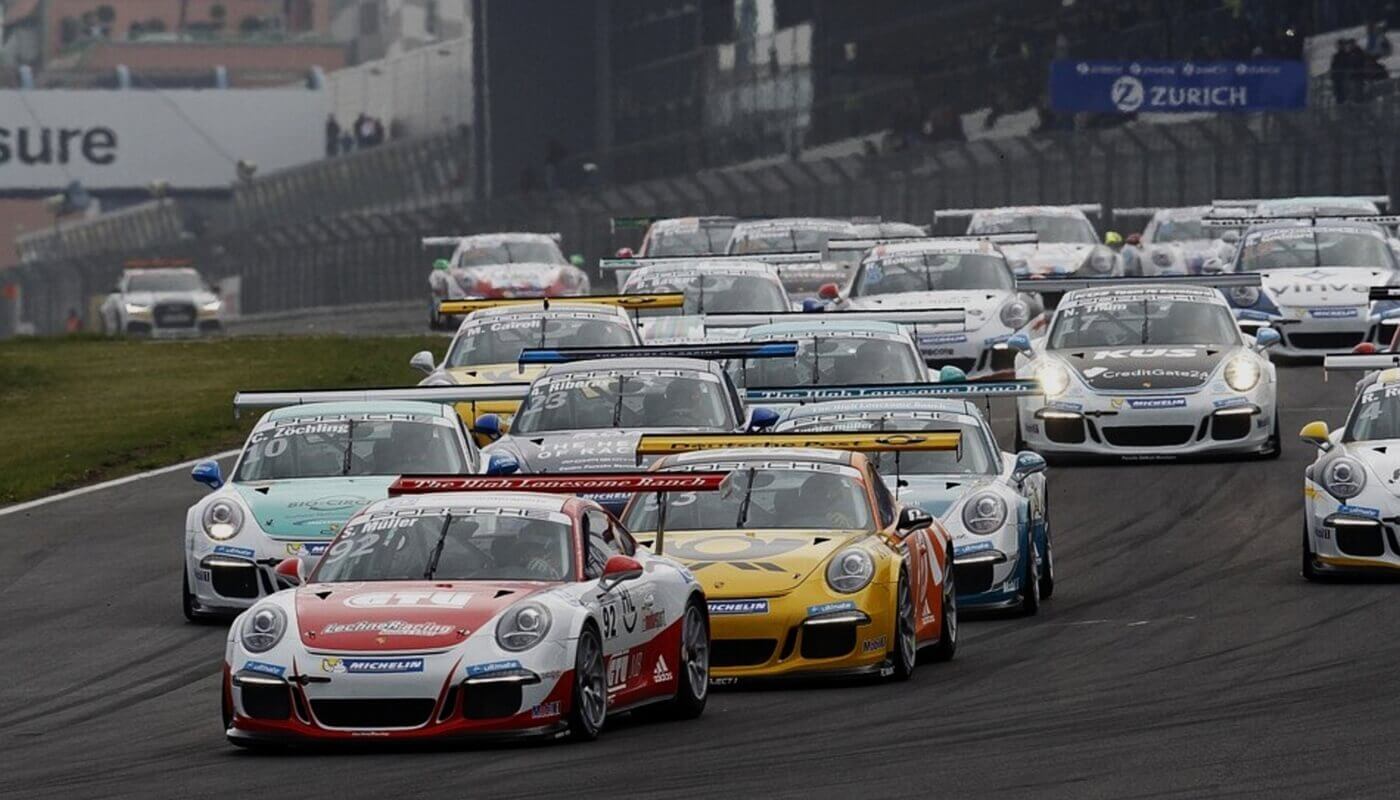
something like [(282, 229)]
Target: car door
[(619, 609), (924, 559)]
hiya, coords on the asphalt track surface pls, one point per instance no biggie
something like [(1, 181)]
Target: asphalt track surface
[(1182, 656)]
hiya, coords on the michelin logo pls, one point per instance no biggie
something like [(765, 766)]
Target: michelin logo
[(371, 666), (718, 607), (1151, 403)]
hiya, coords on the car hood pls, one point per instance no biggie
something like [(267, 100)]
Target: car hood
[(1145, 367), (574, 451), (1049, 259), (803, 280), (489, 374), (1323, 288), (980, 305), (761, 563), (395, 616), (520, 277), (937, 494), (152, 298), (310, 508)]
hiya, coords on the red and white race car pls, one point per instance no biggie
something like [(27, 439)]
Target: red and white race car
[(473, 606)]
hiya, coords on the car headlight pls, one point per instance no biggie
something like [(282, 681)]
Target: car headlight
[(263, 628), (1015, 314), (212, 306), (1244, 296), (1020, 266), (1099, 260), (222, 519), (1242, 373), (984, 513), (850, 571), (523, 627), (137, 308), (1344, 478), (1054, 379), (1162, 258)]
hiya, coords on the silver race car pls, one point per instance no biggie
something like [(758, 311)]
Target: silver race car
[(1066, 243), (161, 298), (500, 265)]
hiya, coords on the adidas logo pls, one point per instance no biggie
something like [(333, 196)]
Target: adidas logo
[(661, 674)]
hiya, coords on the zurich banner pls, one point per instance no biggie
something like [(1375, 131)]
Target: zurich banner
[(1131, 87)]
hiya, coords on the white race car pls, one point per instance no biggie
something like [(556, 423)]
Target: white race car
[(1320, 206), (161, 299), (463, 607), (952, 272), (1350, 489), (1196, 240), (1317, 275), (1065, 244), (1148, 369), (495, 265), (709, 286), (796, 235)]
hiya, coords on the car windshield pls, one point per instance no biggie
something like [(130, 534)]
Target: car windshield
[(1309, 248), (799, 496), (1114, 323), (629, 398), (165, 282), (500, 341), (1051, 229), (972, 457), (499, 251), (834, 360), (699, 241), (347, 446), (798, 238), (713, 293), (1180, 230), (932, 272), (463, 544)]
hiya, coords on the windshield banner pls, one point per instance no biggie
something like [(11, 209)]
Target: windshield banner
[(1157, 87)]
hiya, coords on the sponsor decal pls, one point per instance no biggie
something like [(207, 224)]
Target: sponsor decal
[(1033, 427), (1146, 352), (1110, 374), (229, 550), (1359, 511), (967, 549), (307, 548), (728, 681), (1334, 313), (264, 668), (338, 502), (203, 575), (1228, 402), (1150, 403), (371, 666), (410, 600), (545, 710), (617, 671), (876, 645), (942, 338), (722, 607), (662, 673), (492, 666), (831, 608), (1063, 405), (396, 627), (1311, 492), (654, 620)]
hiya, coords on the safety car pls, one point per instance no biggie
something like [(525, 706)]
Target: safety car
[(796, 235), (464, 607), (948, 272), (1065, 243), (809, 564), (161, 298), (1148, 369), (309, 463), (1316, 276), (493, 265), (1351, 496)]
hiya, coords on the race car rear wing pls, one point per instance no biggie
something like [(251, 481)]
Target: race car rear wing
[(1245, 202), (1010, 237), (1314, 219), (634, 302), (157, 263), (1220, 281), (1349, 362), (915, 317), (453, 241), (654, 444), (568, 483), (972, 390), (282, 398), (1383, 293), (641, 223), (1095, 209), (805, 257), (707, 351)]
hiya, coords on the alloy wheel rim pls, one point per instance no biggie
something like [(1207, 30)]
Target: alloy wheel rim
[(592, 684), (906, 623), (697, 653), (950, 606)]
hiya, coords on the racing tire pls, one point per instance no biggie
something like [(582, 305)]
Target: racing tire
[(434, 318), (1047, 566), (187, 603), (693, 661), (905, 655), (1020, 443), (947, 645), (1030, 586), (1310, 570), (590, 700), (226, 705), (1274, 448)]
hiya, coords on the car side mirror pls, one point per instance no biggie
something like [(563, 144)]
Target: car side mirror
[(813, 306), (1363, 349), (1027, 464), (619, 569), (501, 464), (423, 362), (1316, 434), (488, 425), (829, 291), (1020, 342), (1264, 338), (762, 418), (442, 263), (1134, 239), (912, 518), (624, 252), (1230, 237), (208, 473), (290, 572)]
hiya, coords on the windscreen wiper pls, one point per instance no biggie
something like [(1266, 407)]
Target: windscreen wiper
[(437, 549), (744, 504), (1144, 320), (617, 407), (349, 446)]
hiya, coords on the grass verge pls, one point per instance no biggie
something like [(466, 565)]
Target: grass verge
[(78, 410)]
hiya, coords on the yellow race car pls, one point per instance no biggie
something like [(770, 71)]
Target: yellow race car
[(809, 563), (486, 349)]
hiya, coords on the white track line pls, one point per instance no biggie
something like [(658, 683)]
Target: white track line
[(97, 487)]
